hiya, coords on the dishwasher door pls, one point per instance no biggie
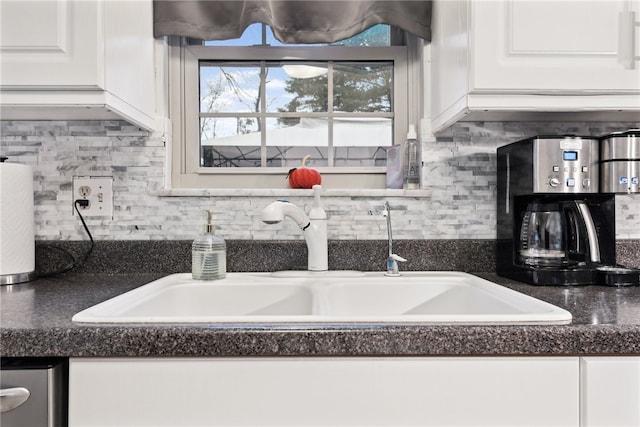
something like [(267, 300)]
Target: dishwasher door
[(33, 393)]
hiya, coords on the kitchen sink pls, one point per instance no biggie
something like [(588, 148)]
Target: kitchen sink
[(332, 297)]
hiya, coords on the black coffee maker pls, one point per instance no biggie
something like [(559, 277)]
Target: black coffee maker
[(553, 225)]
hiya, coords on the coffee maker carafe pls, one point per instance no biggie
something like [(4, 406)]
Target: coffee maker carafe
[(557, 234), (554, 227)]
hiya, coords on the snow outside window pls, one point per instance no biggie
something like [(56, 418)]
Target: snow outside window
[(252, 108)]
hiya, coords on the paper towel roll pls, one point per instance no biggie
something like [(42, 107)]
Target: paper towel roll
[(17, 239)]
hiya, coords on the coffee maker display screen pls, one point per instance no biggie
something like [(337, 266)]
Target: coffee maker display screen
[(569, 155)]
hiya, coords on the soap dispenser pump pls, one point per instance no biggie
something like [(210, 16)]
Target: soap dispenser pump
[(317, 210), (209, 253)]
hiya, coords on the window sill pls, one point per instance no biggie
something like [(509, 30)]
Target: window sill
[(287, 192)]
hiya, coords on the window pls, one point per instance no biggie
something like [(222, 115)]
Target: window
[(252, 108)]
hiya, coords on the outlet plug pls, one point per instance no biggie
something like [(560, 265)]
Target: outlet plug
[(96, 194)]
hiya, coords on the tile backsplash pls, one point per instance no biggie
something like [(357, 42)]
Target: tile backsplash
[(457, 201)]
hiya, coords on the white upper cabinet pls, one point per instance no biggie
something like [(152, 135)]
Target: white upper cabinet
[(77, 59), (531, 60)]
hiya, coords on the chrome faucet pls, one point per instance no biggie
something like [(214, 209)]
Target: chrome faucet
[(392, 260), (314, 227)]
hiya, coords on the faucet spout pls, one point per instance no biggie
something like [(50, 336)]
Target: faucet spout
[(392, 259), (314, 227), (387, 213)]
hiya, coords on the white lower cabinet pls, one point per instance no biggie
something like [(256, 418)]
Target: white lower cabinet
[(400, 391), (610, 391)]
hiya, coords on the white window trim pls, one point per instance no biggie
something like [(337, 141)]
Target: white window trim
[(183, 158)]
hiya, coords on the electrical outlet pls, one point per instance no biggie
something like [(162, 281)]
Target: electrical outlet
[(96, 192)]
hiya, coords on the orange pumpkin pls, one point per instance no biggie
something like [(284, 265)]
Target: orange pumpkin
[(304, 177)]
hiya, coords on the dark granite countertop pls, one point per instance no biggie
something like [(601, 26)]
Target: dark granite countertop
[(35, 320), (35, 317)]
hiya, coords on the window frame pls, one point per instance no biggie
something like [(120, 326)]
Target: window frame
[(184, 167)]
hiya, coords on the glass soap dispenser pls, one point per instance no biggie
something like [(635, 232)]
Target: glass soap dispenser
[(209, 253)]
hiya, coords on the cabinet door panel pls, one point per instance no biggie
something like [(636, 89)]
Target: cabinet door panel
[(567, 46), (563, 29), (610, 391), (324, 392), (49, 44), (42, 27)]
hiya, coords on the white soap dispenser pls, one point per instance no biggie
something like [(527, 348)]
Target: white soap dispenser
[(209, 253), (316, 234)]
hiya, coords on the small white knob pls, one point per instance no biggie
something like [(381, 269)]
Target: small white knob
[(554, 182)]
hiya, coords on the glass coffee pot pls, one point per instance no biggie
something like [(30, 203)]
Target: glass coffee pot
[(557, 234)]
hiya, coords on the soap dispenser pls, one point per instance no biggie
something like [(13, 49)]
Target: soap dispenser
[(209, 253), (316, 234)]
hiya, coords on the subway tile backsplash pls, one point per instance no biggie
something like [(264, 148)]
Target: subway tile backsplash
[(457, 201)]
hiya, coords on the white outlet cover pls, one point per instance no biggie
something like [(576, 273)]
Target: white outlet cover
[(100, 196)]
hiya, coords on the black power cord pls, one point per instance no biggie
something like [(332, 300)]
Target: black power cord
[(74, 263), (84, 203)]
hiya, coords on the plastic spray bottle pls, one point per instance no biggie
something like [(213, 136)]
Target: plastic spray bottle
[(410, 166)]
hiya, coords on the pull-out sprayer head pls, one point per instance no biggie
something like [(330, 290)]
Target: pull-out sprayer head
[(271, 214), (276, 211)]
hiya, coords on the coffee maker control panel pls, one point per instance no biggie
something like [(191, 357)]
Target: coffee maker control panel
[(565, 165)]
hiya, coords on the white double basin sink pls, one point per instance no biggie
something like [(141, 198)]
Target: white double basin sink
[(335, 297)]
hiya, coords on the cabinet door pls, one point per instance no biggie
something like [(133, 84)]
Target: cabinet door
[(543, 46), (610, 391), (324, 392), (50, 44)]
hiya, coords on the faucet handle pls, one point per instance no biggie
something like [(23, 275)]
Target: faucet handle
[(397, 258)]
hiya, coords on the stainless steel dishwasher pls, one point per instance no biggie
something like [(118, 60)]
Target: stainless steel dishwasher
[(33, 392)]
